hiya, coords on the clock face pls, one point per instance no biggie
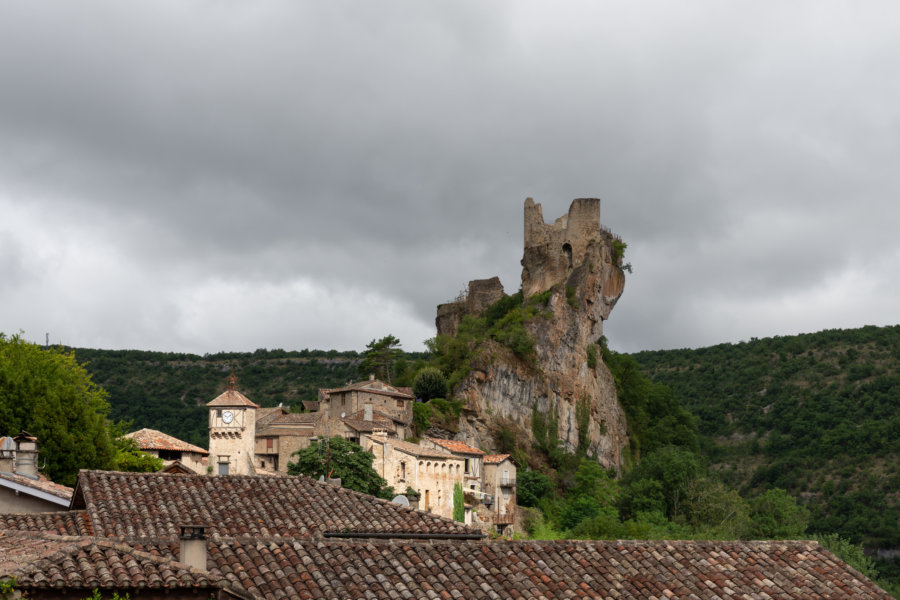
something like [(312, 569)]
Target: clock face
[(228, 416)]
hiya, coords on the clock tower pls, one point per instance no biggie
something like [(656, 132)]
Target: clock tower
[(232, 432)]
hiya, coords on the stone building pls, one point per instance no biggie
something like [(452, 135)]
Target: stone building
[(472, 459), (280, 433), (170, 449), (500, 485), (339, 403), (429, 471), (232, 432)]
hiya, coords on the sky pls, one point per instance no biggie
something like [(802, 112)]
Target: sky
[(205, 176)]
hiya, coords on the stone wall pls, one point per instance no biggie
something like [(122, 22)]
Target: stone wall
[(575, 258)]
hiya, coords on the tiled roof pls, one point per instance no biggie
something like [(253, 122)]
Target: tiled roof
[(231, 398), (413, 449), (154, 505), (40, 561), (379, 420), (75, 522), (150, 439), (311, 405), (364, 426), (273, 431), (493, 459), (41, 485), (456, 446), (267, 415), (285, 568), (374, 387), (292, 418)]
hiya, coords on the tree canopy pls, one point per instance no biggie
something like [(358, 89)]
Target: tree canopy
[(379, 357), (47, 393), (339, 457)]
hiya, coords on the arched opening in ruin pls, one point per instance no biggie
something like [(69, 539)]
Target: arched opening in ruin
[(567, 250)]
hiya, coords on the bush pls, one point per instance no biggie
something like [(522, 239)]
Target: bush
[(430, 383)]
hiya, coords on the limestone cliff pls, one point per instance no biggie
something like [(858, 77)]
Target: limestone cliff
[(580, 262)]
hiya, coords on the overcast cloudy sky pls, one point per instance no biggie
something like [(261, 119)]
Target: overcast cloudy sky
[(225, 175)]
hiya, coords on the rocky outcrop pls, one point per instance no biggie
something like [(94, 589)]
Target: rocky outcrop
[(577, 259)]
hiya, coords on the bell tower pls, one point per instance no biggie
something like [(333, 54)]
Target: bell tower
[(232, 432)]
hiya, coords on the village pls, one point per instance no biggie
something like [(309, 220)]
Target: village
[(245, 439)]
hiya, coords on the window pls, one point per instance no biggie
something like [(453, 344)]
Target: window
[(223, 468), (468, 466), (270, 443), (399, 403), (403, 470), (506, 477)]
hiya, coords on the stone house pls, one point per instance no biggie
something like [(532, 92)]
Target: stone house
[(472, 458), (293, 537), (23, 489), (170, 449), (500, 486), (280, 433), (431, 472), (397, 404)]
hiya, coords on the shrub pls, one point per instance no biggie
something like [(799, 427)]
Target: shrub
[(430, 383)]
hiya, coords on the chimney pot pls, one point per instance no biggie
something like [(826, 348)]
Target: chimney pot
[(192, 551)]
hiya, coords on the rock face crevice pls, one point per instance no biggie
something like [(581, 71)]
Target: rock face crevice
[(576, 258)]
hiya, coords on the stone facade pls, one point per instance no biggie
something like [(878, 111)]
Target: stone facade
[(432, 473), (500, 483), (377, 395), (232, 432)]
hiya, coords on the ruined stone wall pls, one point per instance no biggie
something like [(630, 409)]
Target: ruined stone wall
[(575, 258), (553, 250)]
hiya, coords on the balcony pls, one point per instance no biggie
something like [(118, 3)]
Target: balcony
[(507, 483)]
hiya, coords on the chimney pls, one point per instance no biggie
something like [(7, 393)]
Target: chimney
[(7, 454), (371, 376), (26, 455), (192, 551), (367, 412)]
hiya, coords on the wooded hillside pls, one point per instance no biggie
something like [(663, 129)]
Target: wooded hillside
[(168, 391), (816, 414)]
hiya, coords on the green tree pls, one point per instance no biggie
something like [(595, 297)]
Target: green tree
[(132, 459), (459, 503), (430, 383), (775, 514), (380, 356), (339, 457), (48, 394), (674, 469), (532, 486)]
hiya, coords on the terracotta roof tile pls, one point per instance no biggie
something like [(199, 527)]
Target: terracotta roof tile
[(154, 505), (290, 568), (150, 439), (75, 522), (492, 459), (456, 446), (41, 561), (375, 387), (232, 398), (41, 484), (266, 415), (413, 449)]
